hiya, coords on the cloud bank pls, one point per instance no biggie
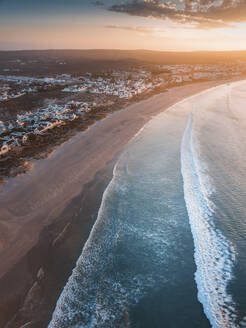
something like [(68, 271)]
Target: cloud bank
[(140, 29), (203, 14)]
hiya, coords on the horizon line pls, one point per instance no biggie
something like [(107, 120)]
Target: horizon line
[(122, 50)]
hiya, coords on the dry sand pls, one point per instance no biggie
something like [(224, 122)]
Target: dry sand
[(62, 193)]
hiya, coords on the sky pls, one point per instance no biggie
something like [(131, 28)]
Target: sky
[(166, 25)]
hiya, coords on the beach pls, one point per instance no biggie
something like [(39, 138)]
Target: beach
[(47, 214)]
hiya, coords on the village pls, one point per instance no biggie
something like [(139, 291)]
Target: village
[(191, 73), (17, 132), (17, 86), (74, 92)]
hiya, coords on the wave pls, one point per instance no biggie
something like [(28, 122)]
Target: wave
[(98, 294), (214, 255), (78, 302), (106, 281), (93, 296), (110, 278)]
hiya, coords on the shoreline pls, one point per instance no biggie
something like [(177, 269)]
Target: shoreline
[(47, 214)]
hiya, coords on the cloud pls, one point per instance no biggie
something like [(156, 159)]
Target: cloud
[(203, 14), (140, 29)]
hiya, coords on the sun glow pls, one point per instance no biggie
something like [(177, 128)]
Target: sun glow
[(100, 28)]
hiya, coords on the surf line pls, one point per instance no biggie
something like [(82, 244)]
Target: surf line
[(214, 254)]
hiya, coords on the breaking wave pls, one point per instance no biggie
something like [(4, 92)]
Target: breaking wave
[(121, 261), (214, 254), (81, 302), (133, 244)]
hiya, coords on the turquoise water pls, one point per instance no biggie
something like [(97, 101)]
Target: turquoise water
[(167, 249)]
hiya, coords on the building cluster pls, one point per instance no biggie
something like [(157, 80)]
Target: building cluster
[(20, 80), (17, 86), (116, 84), (188, 73), (123, 85), (15, 133), (120, 85), (7, 93)]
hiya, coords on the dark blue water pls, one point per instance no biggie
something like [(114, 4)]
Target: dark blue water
[(168, 246)]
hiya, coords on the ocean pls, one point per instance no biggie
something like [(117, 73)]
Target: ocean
[(168, 248)]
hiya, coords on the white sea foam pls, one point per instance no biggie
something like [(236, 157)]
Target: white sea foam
[(84, 282), (93, 298), (214, 254), (95, 295)]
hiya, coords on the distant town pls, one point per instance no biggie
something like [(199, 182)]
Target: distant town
[(66, 98)]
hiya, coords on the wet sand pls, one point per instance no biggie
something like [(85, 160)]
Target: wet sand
[(47, 214)]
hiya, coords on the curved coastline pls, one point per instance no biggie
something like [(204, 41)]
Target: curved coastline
[(68, 294), (113, 134)]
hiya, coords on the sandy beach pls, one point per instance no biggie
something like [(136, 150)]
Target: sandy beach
[(47, 214)]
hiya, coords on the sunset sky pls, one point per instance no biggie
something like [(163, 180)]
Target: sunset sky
[(178, 25)]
